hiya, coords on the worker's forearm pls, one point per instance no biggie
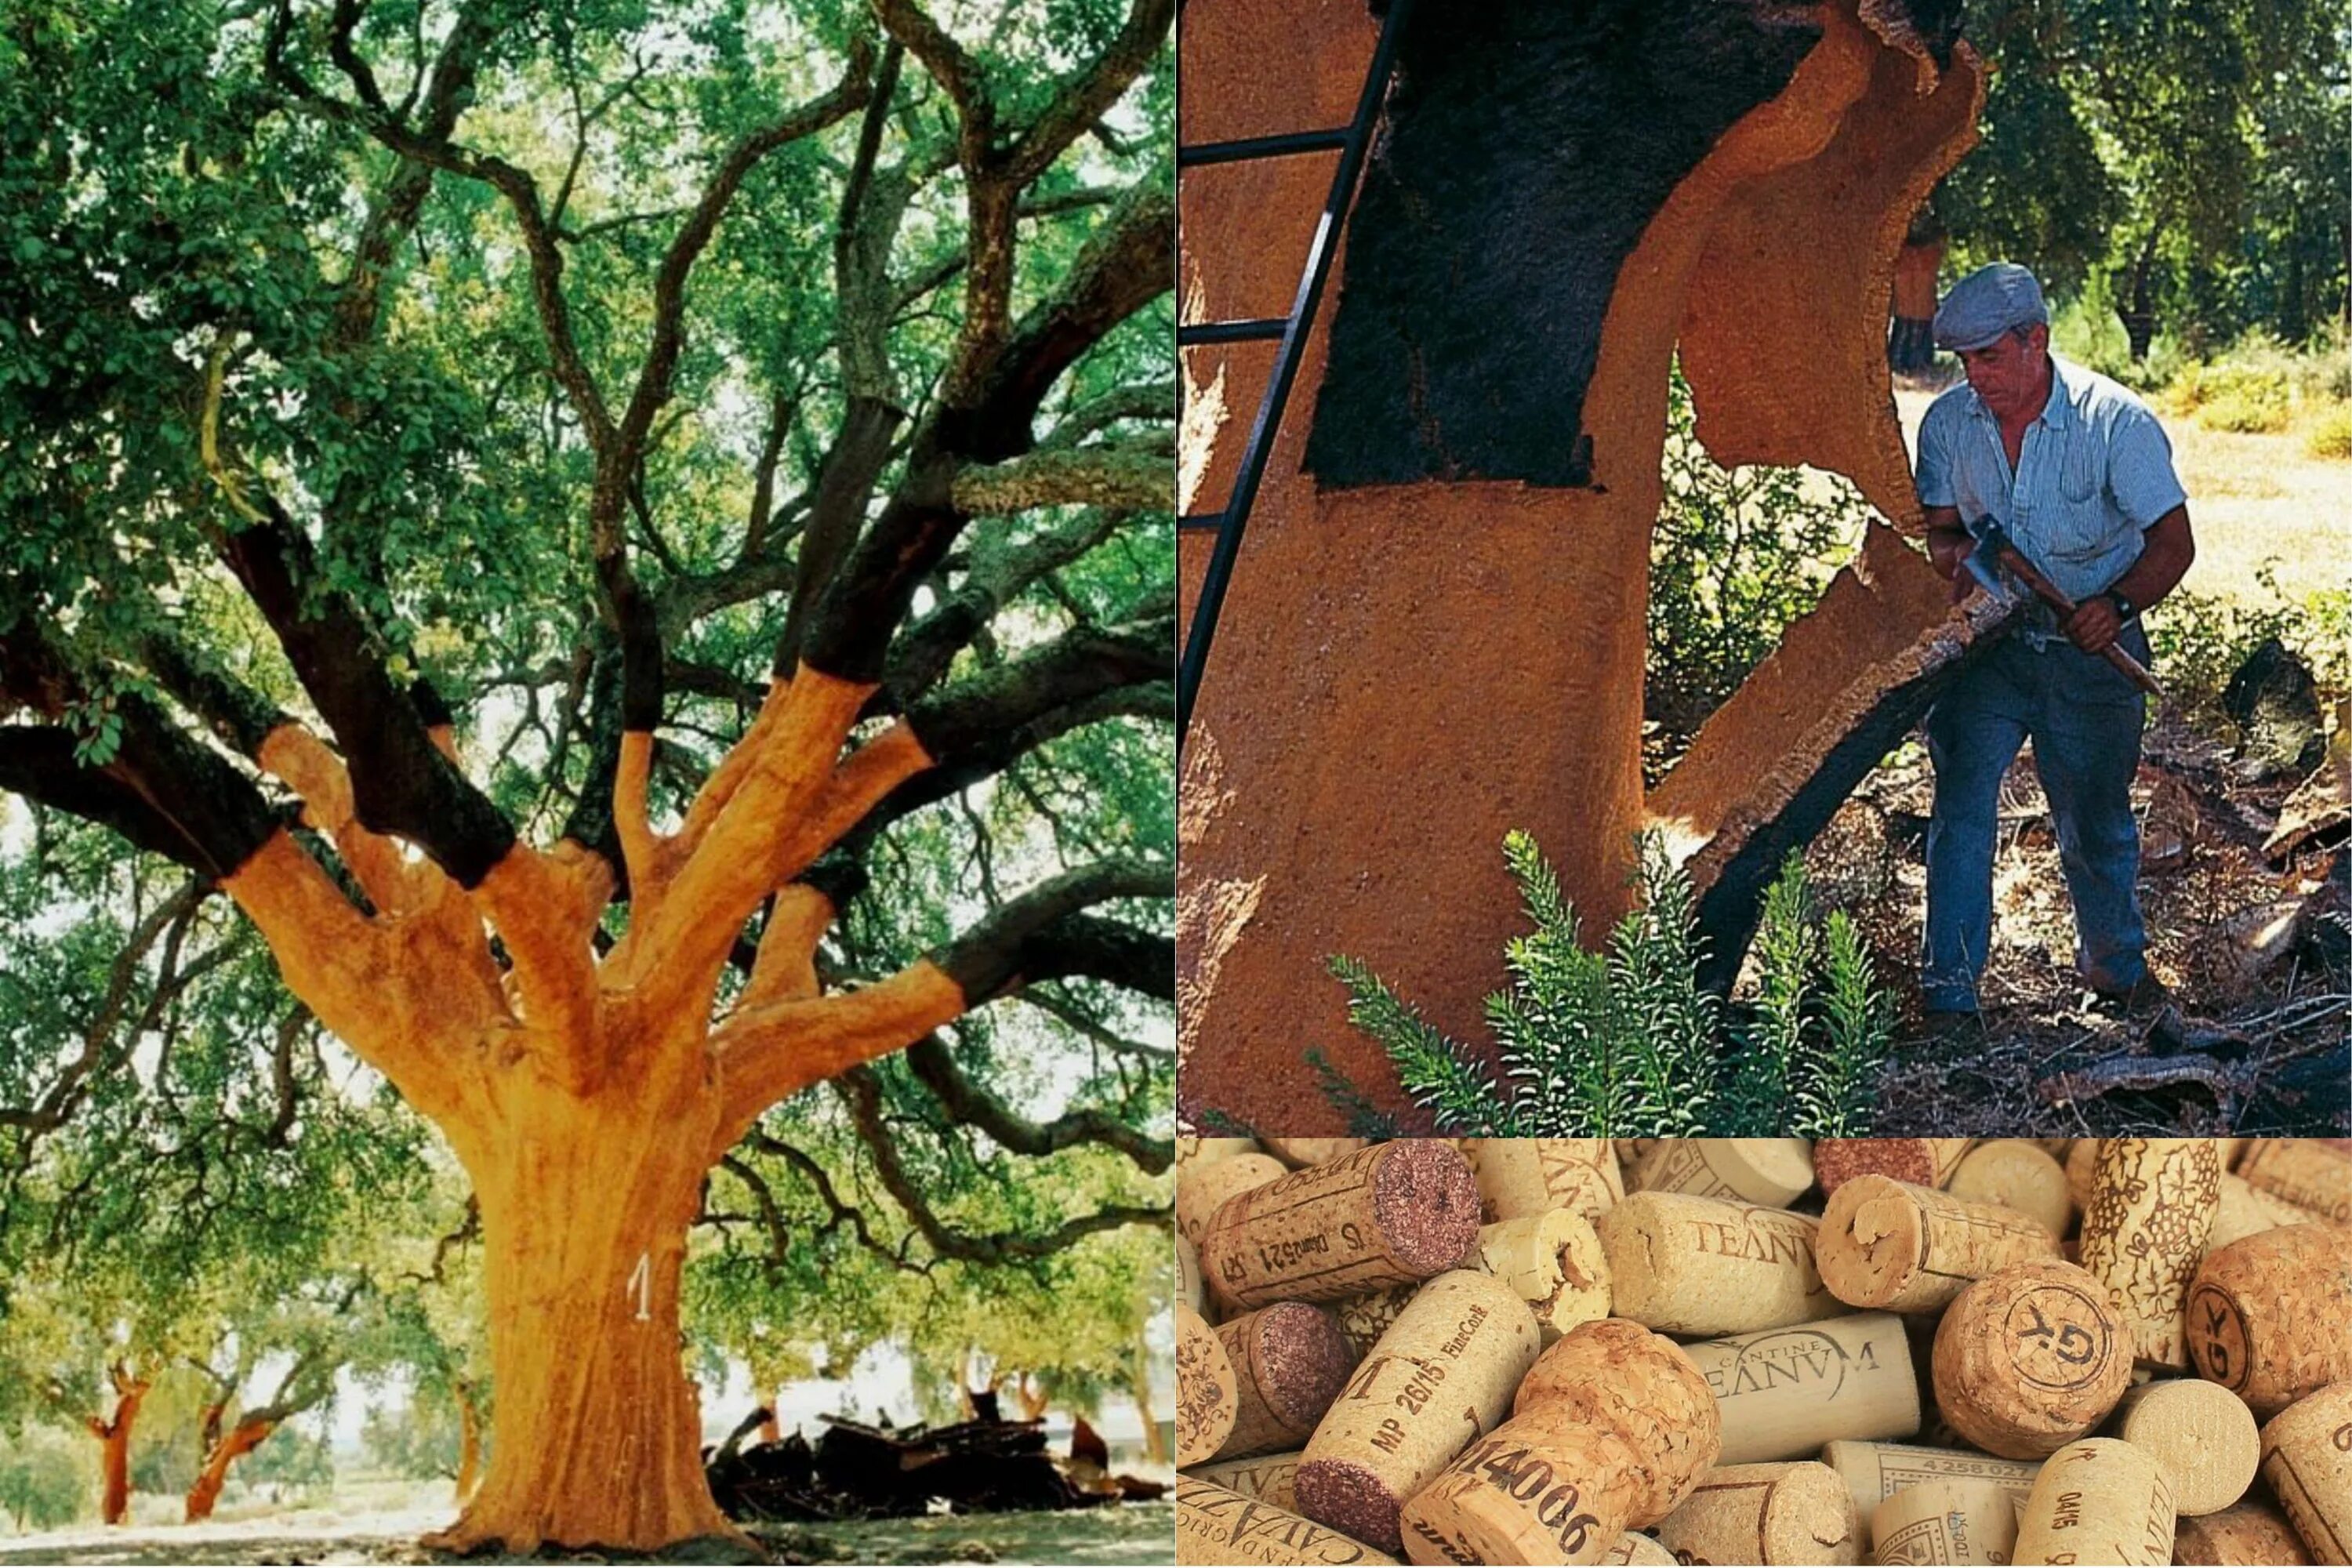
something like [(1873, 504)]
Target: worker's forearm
[(1947, 546), (2160, 566)]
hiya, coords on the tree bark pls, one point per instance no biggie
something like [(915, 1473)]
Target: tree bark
[(242, 1439), (469, 1443)]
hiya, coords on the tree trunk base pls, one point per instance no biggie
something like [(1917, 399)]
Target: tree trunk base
[(473, 1535)]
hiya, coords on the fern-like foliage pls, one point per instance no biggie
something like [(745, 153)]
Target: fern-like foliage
[(1622, 1042)]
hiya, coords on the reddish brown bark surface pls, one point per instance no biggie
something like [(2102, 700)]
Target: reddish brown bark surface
[(240, 1440), (114, 1438)]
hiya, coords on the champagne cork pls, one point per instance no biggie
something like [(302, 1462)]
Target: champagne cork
[(2016, 1174), (1523, 1176), (1922, 1161), (1189, 1288), (1364, 1319), (1203, 1189), (1214, 1525), (1632, 1546), (1300, 1152), (1873, 1472), (2244, 1211), (1769, 1170), (1703, 1266), (1289, 1363), (1946, 1521), (1610, 1430), (2307, 1460), (1383, 1215), (1206, 1398), (1784, 1393), (2098, 1500), (2266, 1315), (2254, 1532), (2029, 1359), (1766, 1513), (1268, 1478), (1905, 1248), (2152, 1202), (1442, 1374), (2202, 1434), (2310, 1172), (1554, 1260)]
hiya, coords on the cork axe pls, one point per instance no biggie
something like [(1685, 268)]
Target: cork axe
[(1993, 542)]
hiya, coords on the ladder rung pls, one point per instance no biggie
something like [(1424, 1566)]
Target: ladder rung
[(1244, 148), (1263, 331)]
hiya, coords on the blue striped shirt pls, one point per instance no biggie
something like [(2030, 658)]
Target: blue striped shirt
[(2094, 474)]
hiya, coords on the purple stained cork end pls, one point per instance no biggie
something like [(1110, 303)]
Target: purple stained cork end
[(1349, 1498), (1425, 1202), (1302, 1360)]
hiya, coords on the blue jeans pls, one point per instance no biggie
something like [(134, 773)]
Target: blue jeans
[(2084, 720)]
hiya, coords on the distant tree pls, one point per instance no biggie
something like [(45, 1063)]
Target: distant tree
[(44, 1482)]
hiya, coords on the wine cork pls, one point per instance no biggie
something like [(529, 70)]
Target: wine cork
[(2202, 1434), (1873, 1472), (1189, 1286), (2098, 1500), (2254, 1532), (1442, 1374), (1784, 1393), (1610, 1430), (1523, 1176), (2016, 1174), (2152, 1202), (1922, 1161), (1704, 1266), (1300, 1152), (2266, 1315), (1632, 1152), (2311, 1173), (2307, 1460), (1765, 1514), (1768, 1171), (1633, 1547), (1206, 1398), (1946, 1521), (1268, 1478), (1383, 1215), (1195, 1151), (2245, 1211), (1214, 1525), (1203, 1189), (1364, 1319), (1289, 1363), (2082, 1164), (2029, 1359), (1555, 1261), (1888, 1244)]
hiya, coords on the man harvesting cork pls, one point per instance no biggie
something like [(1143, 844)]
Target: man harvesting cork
[(2077, 474)]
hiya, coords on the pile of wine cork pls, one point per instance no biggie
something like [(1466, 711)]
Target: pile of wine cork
[(1927, 1350)]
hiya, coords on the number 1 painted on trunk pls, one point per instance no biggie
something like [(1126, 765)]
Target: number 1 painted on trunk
[(641, 1280)]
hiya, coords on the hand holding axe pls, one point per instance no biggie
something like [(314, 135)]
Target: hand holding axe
[(1993, 541)]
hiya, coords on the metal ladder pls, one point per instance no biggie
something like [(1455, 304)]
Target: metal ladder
[(1352, 141)]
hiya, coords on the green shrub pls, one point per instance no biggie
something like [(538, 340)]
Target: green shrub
[(2330, 435), (2200, 639), (1621, 1041), (2247, 409)]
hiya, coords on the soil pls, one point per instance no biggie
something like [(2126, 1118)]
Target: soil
[(2270, 1019)]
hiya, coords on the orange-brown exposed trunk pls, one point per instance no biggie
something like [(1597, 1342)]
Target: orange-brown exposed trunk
[(242, 1439), (470, 1442), (1033, 1399), (114, 1445), (771, 1430)]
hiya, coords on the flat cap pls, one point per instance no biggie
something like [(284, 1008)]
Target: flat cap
[(1987, 303)]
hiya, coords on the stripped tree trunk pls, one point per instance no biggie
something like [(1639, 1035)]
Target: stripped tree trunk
[(114, 1437), (240, 1440), (469, 1440)]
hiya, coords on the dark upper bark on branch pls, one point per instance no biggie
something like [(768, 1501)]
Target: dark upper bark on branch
[(1032, 938), (931, 1062)]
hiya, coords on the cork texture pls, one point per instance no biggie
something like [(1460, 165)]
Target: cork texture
[(1555, 1261), (1201, 1189), (2245, 1210), (2143, 1230), (1300, 1152), (1383, 1215), (2016, 1174), (1523, 1176), (2202, 1434), (1796, 1512), (1289, 1363), (1189, 1288), (1873, 1472), (2311, 1173), (1784, 1393), (2098, 1500), (2029, 1359), (1945, 1521), (2254, 1532), (1922, 1161), (1207, 1398), (1364, 1319), (1214, 1525), (1267, 1478), (2307, 1461), (1905, 1248), (1442, 1374), (1704, 1266), (1634, 1547), (1768, 1171), (2265, 1315)]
